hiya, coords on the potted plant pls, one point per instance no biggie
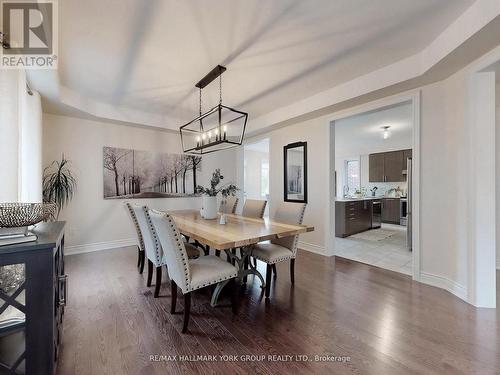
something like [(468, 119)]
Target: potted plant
[(209, 210), (59, 184)]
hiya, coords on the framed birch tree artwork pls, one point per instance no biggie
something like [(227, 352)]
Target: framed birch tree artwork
[(130, 174)]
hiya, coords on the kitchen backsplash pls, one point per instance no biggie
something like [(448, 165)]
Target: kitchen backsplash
[(383, 187)]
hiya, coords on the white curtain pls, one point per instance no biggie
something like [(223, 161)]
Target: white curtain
[(20, 140)]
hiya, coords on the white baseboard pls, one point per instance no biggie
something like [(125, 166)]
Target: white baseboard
[(444, 283), (321, 250), (98, 246)]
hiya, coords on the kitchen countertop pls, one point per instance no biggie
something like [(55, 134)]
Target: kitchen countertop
[(365, 199)]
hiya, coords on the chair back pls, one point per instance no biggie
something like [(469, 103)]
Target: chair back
[(254, 208), (289, 213), (151, 244), (131, 213), (230, 206), (173, 247)]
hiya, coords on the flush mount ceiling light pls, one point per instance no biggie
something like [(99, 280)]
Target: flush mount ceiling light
[(385, 133), (219, 128)]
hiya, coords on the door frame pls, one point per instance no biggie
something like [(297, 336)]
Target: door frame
[(414, 98), (241, 171)]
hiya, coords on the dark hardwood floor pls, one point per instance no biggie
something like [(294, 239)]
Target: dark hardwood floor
[(384, 322)]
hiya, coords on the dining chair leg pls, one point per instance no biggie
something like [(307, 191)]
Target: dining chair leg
[(292, 270), (274, 270), (150, 273), (187, 310), (245, 267), (234, 296), (217, 253), (143, 258), (138, 256), (158, 282), (173, 291), (207, 250), (269, 271)]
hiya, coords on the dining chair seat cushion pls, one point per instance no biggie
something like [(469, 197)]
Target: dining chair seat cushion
[(192, 251), (271, 253), (208, 270)]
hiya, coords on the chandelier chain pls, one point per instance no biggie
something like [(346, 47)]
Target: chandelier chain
[(220, 89), (200, 101)]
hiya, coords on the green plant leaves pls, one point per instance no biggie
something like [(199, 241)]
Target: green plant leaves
[(59, 184)]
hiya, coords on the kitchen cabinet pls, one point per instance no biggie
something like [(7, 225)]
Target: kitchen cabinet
[(390, 210), (393, 166), (376, 167), (388, 166), (352, 217)]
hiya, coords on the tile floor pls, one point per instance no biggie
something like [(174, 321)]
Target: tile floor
[(389, 253)]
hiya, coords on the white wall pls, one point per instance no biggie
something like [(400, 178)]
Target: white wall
[(20, 140), (315, 133), (497, 166), (94, 223), (443, 193)]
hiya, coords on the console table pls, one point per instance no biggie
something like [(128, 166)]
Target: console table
[(33, 293)]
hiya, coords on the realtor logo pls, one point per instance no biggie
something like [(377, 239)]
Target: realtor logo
[(30, 30)]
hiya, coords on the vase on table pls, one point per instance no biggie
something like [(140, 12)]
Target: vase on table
[(222, 220), (209, 208)]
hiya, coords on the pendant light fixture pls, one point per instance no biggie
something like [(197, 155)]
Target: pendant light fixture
[(217, 129), (385, 131)]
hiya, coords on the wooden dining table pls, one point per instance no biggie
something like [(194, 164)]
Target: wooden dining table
[(238, 232)]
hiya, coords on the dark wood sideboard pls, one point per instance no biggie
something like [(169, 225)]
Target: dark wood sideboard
[(33, 294)]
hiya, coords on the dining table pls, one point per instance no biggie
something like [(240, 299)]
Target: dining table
[(237, 232)]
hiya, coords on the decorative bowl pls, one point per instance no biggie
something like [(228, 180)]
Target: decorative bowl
[(13, 215)]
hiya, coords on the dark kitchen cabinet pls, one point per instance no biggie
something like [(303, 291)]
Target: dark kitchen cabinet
[(390, 210), (376, 167), (352, 217), (388, 166), (393, 166)]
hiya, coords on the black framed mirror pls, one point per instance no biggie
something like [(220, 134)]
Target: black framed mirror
[(295, 183)]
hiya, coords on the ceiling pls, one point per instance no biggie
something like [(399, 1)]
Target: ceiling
[(146, 56), (362, 134)]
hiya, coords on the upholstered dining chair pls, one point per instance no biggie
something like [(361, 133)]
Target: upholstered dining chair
[(254, 208), (281, 249), (140, 241), (152, 247), (188, 274), (230, 206)]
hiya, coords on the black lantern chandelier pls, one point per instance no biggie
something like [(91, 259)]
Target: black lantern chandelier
[(219, 128)]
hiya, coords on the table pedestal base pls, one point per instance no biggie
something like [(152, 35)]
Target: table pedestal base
[(246, 253)]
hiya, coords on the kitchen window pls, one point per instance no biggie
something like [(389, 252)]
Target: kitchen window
[(352, 176)]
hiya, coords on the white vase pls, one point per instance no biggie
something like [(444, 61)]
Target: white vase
[(209, 210)]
